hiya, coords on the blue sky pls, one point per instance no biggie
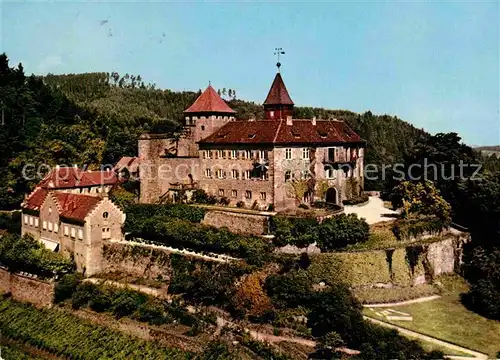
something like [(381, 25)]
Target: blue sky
[(435, 65)]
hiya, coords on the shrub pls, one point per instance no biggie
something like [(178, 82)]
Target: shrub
[(342, 230), (66, 286), (11, 222), (152, 312), (27, 254), (224, 201), (184, 234), (85, 292), (298, 231), (250, 297), (126, 302), (408, 228), (201, 197), (482, 271), (292, 289), (303, 206), (356, 200), (240, 204), (138, 213)]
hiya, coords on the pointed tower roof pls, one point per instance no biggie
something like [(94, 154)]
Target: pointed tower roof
[(209, 102), (278, 94)]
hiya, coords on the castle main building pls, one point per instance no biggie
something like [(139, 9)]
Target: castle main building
[(276, 162)]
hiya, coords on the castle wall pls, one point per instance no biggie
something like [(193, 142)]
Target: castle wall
[(26, 289)]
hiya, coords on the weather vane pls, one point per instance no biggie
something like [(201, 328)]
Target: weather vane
[(278, 51)]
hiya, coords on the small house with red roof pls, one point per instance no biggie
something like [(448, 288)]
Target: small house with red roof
[(69, 211), (276, 162)]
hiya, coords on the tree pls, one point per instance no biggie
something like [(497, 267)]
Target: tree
[(420, 198), (342, 230), (250, 297)]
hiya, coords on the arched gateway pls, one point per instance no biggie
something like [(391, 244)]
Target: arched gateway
[(331, 195)]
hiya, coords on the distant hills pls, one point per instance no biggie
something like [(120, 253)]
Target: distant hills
[(489, 150)]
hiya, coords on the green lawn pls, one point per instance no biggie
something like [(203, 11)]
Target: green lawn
[(447, 319)]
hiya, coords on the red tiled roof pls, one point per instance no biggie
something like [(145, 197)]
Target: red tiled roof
[(127, 162), (69, 177), (277, 132), (278, 94), (209, 102), (75, 206), (72, 206), (36, 199)]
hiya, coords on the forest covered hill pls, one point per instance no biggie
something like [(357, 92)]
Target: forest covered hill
[(96, 118), (127, 101)]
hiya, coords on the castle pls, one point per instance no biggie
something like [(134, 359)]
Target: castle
[(274, 163)]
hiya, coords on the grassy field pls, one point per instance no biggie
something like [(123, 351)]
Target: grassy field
[(447, 319)]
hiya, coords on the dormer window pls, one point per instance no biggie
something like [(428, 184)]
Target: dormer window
[(323, 134), (295, 134), (251, 136), (105, 215)]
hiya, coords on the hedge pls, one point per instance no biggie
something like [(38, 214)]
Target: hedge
[(184, 234), (405, 229), (28, 255), (138, 213), (356, 200), (397, 266)]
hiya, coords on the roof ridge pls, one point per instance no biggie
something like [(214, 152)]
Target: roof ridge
[(277, 131)]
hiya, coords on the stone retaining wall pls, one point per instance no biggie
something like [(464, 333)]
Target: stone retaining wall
[(27, 289), (248, 224)]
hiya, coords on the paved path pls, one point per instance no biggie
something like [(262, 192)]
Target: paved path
[(403, 303), (414, 334), (374, 211)]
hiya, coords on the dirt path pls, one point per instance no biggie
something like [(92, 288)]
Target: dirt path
[(403, 303), (414, 334)]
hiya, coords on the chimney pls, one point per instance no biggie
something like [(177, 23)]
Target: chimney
[(75, 166), (57, 167), (289, 120), (314, 120)]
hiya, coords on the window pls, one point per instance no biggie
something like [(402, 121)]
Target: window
[(204, 154), (208, 173), (248, 194), (31, 220), (220, 154), (235, 174), (219, 174), (329, 172), (202, 127), (262, 154), (331, 154), (288, 154), (80, 234), (106, 234), (44, 225), (248, 174), (50, 226), (73, 232), (305, 153), (105, 215), (66, 230), (305, 174), (50, 210), (288, 175), (234, 193), (263, 196), (36, 222), (248, 154), (234, 154), (271, 113), (26, 220), (221, 192), (56, 227)]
